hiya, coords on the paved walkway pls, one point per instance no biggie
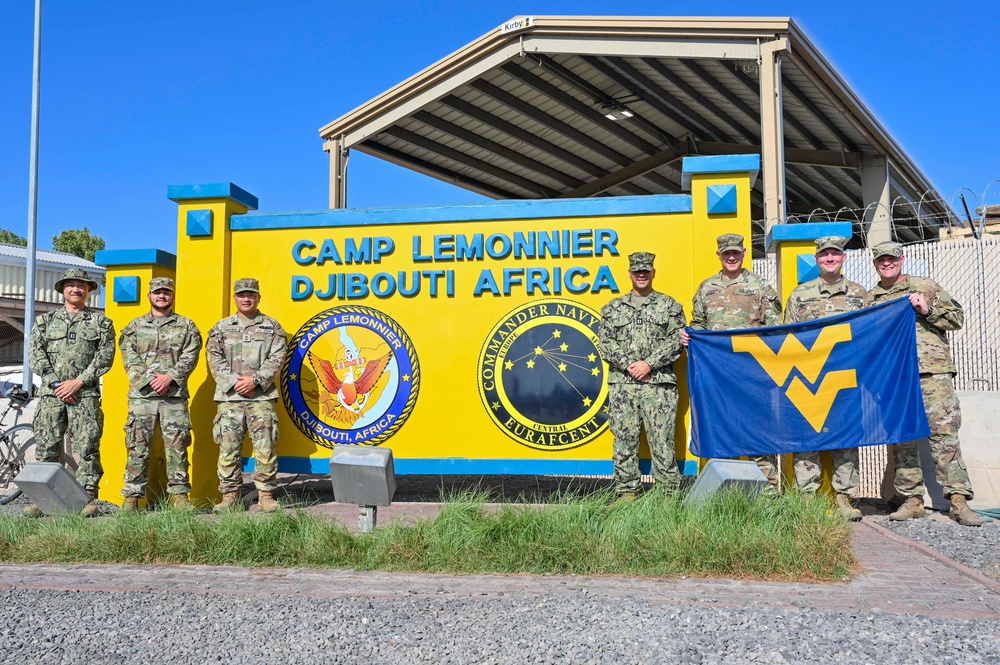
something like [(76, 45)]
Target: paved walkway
[(900, 577)]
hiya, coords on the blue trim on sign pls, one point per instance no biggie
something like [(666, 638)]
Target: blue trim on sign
[(136, 257), (456, 466), (199, 223), (215, 190), (705, 164), (126, 288), (807, 231), (721, 199), (806, 269), (495, 210)]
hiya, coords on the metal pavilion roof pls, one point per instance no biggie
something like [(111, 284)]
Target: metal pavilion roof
[(522, 112)]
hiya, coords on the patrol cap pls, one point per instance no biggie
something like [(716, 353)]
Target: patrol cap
[(831, 242), (729, 242), (161, 283), (887, 248), (640, 261), (246, 284), (79, 274)]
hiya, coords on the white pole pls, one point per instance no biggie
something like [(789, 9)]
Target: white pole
[(29, 272)]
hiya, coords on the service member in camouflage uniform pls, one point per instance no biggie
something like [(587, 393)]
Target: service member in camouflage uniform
[(640, 338), (831, 293), (936, 313), (159, 350), (244, 353), (736, 298), (71, 349)]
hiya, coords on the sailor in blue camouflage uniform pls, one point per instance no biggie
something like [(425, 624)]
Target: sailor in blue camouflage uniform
[(71, 349), (245, 352), (640, 338)]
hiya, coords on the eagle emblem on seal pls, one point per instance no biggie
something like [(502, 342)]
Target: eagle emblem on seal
[(348, 383)]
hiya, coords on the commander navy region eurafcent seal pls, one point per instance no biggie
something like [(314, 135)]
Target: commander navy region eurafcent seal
[(541, 377)]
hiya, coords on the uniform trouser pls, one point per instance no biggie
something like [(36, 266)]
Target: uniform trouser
[(767, 467), (232, 421), (85, 423), (845, 478), (945, 417), (175, 424), (633, 405)]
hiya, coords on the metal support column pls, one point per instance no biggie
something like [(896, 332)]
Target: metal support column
[(875, 195), (29, 266), (338, 172), (772, 132)]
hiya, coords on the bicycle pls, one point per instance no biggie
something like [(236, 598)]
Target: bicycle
[(17, 444)]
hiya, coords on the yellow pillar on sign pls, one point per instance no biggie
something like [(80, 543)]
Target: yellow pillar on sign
[(128, 275), (204, 294), (720, 203), (796, 250)]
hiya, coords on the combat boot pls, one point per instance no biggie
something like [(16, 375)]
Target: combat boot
[(911, 508), (131, 504), (182, 502), (90, 510), (230, 500), (266, 502), (626, 497), (961, 513), (32, 511), (846, 509)]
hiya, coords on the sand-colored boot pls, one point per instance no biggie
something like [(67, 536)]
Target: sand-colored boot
[(90, 510), (266, 502), (32, 511), (131, 504), (912, 508), (182, 502), (843, 502), (961, 513), (230, 501)]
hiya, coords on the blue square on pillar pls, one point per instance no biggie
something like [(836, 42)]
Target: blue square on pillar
[(721, 199), (199, 222), (806, 268), (126, 288)]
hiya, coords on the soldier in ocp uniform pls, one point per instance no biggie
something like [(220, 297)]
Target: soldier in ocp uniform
[(830, 293), (736, 298), (937, 312), (640, 338), (71, 349), (159, 350), (244, 352)]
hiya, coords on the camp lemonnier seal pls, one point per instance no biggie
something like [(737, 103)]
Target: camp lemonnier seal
[(351, 376), (541, 376)]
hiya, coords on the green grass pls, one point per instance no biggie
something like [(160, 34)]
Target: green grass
[(792, 537)]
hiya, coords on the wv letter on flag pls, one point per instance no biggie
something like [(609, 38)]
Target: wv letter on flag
[(838, 382)]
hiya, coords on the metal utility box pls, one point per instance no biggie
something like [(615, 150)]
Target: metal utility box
[(362, 475), (52, 488), (721, 474)]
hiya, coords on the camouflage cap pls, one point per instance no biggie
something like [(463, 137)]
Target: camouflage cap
[(831, 242), (246, 284), (730, 242), (887, 248), (78, 274), (161, 283), (640, 261)]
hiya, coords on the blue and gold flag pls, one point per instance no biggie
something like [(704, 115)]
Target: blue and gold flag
[(838, 382)]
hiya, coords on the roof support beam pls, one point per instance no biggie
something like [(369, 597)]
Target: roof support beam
[(534, 189), (639, 168), (803, 156), (338, 173), (534, 141), (406, 161), (875, 197), (772, 132), (503, 151), (642, 47)]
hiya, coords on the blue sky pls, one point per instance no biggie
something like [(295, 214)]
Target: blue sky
[(137, 96)]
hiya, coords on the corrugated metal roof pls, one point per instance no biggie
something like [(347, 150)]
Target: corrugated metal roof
[(521, 114), (49, 256)]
